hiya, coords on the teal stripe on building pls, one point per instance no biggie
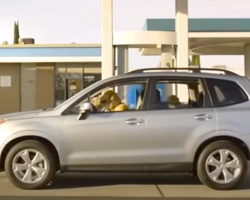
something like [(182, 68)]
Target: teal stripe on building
[(50, 52), (200, 25)]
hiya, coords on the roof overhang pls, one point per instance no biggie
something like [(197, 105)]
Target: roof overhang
[(144, 39), (206, 36), (207, 43), (30, 53)]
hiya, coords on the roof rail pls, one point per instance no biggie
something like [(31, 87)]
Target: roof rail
[(194, 70)]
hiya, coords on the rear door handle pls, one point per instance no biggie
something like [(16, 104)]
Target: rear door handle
[(134, 121), (203, 117)]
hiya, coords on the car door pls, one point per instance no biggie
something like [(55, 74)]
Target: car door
[(106, 141), (172, 134), (232, 105)]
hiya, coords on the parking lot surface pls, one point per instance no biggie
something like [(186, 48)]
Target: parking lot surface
[(122, 187)]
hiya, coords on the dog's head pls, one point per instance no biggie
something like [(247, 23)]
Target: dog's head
[(96, 102), (109, 100)]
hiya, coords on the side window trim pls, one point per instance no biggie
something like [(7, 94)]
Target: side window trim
[(207, 99), (112, 82)]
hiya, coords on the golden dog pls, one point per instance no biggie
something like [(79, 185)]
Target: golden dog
[(95, 101), (110, 101)]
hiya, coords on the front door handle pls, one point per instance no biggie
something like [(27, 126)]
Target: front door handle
[(134, 121), (203, 117)]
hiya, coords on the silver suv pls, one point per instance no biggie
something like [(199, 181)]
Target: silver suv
[(148, 120)]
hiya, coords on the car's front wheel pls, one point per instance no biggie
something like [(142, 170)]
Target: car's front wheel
[(30, 165), (221, 165)]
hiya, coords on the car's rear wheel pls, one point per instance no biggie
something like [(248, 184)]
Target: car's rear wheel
[(221, 165), (30, 165)]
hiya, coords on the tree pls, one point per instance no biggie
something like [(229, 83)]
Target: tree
[(16, 33)]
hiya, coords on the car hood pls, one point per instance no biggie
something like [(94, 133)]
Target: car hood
[(20, 115)]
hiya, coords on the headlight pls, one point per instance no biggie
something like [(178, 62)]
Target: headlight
[(2, 121)]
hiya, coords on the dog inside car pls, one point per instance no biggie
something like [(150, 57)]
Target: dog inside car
[(109, 101)]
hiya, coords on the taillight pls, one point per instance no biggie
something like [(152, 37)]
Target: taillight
[(2, 121)]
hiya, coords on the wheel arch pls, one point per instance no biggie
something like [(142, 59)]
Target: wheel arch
[(15, 141), (238, 142)]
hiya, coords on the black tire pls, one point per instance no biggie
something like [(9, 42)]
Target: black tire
[(36, 145), (201, 168)]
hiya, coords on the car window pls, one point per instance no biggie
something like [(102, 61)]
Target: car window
[(127, 96), (219, 94), (225, 93), (178, 94)]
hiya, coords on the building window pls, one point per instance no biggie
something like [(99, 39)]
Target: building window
[(71, 78), (91, 75), (60, 84)]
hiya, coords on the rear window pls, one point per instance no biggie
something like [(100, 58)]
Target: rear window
[(225, 93)]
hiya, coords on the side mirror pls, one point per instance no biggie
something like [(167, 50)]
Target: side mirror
[(84, 109)]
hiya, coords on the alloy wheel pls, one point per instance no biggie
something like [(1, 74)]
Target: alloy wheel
[(29, 166), (223, 166)]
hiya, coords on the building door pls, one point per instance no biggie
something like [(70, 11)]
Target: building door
[(73, 86), (37, 81), (9, 88)]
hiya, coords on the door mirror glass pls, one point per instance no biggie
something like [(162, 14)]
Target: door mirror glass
[(84, 110), (85, 107)]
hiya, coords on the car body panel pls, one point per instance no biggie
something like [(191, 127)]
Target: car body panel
[(172, 133), (20, 115), (235, 118), (104, 138), (49, 128)]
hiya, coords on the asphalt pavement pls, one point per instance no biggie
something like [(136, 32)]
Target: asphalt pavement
[(99, 186), (117, 186)]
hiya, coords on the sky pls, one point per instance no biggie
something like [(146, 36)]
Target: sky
[(79, 21)]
